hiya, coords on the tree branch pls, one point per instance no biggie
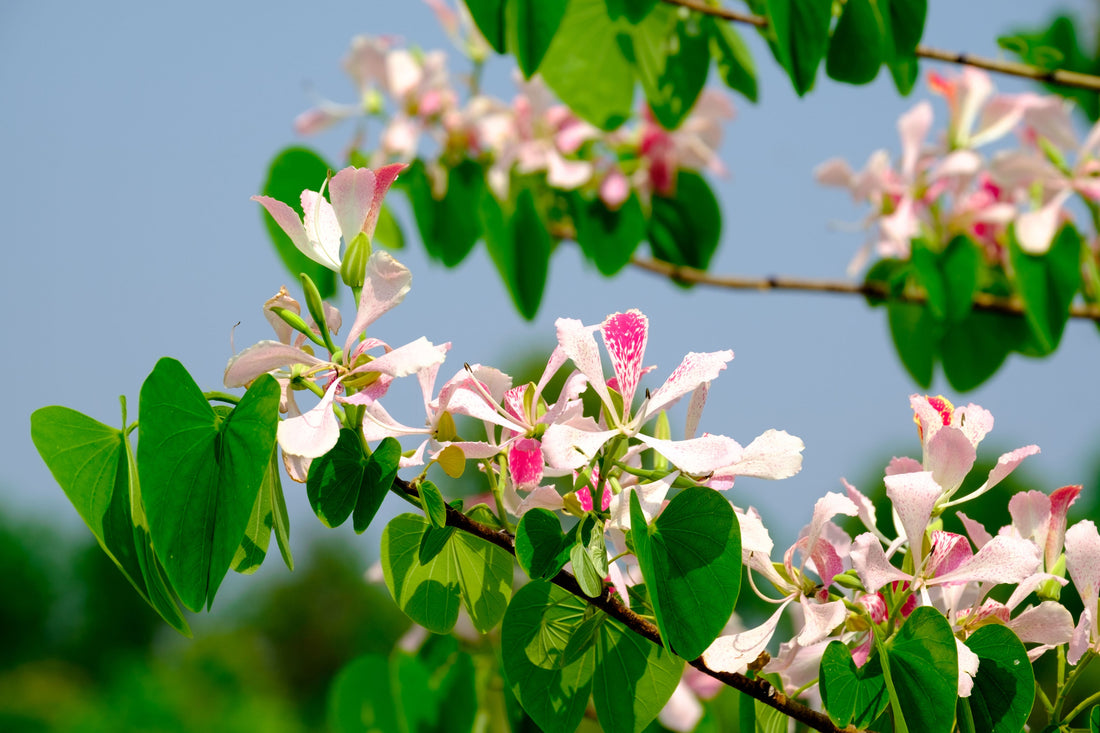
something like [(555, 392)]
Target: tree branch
[(1055, 76), (982, 301), (758, 689)]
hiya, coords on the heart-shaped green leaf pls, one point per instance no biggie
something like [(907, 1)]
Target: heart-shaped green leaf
[(346, 480), (1004, 688), (801, 36), (542, 549), (686, 226), (852, 695), (671, 55), (378, 478), (531, 27), (95, 466), (428, 586), (608, 238), (200, 474), (630, 679), (448, 226), (691, 561), (924, 665), (1047, 284), (856, 49), (732, 57)]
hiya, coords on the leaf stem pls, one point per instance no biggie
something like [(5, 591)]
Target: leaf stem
[(221, 397), (895, 702)]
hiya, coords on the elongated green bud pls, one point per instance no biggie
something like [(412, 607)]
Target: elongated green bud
[(353, 270), (314, 304), (296, 322)]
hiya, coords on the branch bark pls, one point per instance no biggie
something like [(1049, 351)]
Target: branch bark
[(1056, 76), (982, 301), (758, 689)]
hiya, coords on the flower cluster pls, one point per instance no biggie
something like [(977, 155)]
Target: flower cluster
[(949, 187), (412, 93)]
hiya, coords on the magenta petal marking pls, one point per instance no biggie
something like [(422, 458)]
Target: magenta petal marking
[(625, 336), (949, 550), (1060, 502), (352, 190), (1003, 560), (525, 463), (383, 179)]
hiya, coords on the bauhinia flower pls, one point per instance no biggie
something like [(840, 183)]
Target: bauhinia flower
[(356, 194), (1083, 564)]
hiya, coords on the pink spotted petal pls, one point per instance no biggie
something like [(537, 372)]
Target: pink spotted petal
[(914, 495), (865, 506), (825, 509), (968, 668), (1030, 512), (949, 455), (820, 620), (1083, 562), (577, 342), (568, 446), (387, 282), (1002, 560), (288, 219), (351, 191), (903, 465), (405, 360), (736, 652), (1047, 623), (625, 336), (913, 128), (525, 463), (314, 433), (696, 369), (973, 420), (379, 424), (1006, 464), (698, 456), (871, 564), (261, 358), (949, 550), (1035, 230), (1079, 641), (383, 179), (978, 534), (542, 497), (754, 535), (282, 299), (774, 454), (651, 498), (465, 400), (1060, 502)]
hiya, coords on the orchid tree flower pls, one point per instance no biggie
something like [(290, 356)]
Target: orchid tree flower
[(693, 145), (1083, 564), (356, 194)]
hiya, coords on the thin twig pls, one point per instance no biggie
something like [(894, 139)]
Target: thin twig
[(982, 301), (758, 689), (1056, 76)]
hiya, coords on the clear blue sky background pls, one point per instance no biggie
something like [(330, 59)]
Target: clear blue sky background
[(134, 133)]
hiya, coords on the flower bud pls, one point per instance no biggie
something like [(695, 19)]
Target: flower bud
[(296, 322), (313, 302), (353, 269)]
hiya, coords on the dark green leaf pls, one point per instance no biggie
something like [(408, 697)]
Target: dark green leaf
[(1057, 47), (633, 680), (1094, 719), (949, 277), (489, 18), (973, 350), (335, 479), (907, 25), (1047, 284), (449, 225), (671, 56), (589, 556), (377, 479), (1004, 688), (855, 51), (685, 228), (801, 29), (257, 535), (608, 238), (466, 569), (851, 695), (200, 474), (387, 231), (531, 27), (634, 11), (296, 169), (925, 670), (435, 509), (889, 274), (733, 59), (361, 698), (519, 247), (691, 561), (916, 335), (542, 549), (280, 515), (598, 84), (485, 515)]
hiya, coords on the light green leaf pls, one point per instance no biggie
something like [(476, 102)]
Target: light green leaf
[(387, 231), (381, 470), (200, 474), (280, 515), (489, 18), (671, 56), (542, 549), (296, 169), (1004, 688), (257, 535), (598, 85), (429, 586), (435, 509), (691, 561), (731, 55), (335, 478), (531, 27), (924, 666), (633, 679)]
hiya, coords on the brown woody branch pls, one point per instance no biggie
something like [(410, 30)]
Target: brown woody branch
[(1056, 76), (982, 301), (758, 689)]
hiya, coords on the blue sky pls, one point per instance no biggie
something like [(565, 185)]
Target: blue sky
[(134, 134)]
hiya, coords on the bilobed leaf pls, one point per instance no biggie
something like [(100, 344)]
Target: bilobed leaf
[(542, 549), (296, 169), (257, 535), (973, 350), (448, 226), (279, 513), (633, 679), (598, 84), (925, 670), (732, 57), (685, 227), (94, 465), (200, 474), (671, 56), (801, 29), (489, 17), (519, 247), (464, 569), (855, 51), (1047, 284), (1004, 688), (378, 477), (531, 27), (852, 695), (609, 237), (950, 277), (691, 561), (335, 479), (916, 335), (435, 509)]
